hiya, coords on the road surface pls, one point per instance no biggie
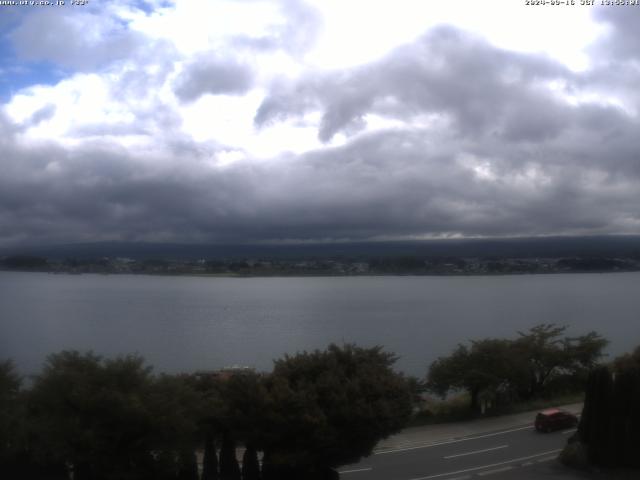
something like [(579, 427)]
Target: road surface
[(500, 449)]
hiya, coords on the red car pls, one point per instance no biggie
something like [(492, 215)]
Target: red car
[(555, 419)]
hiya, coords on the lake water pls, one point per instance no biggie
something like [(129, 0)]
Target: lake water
[(189, 323)]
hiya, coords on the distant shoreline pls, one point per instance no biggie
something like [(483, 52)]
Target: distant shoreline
[(318, 275), (326, 266)]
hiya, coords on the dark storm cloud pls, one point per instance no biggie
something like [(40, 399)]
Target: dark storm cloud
[(215, 76), (379, 185), (487, 148), (622, 40)]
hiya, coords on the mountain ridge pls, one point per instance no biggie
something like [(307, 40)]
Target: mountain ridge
[(522, 247)]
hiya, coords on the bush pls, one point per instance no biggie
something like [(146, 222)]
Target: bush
[(575, 455)]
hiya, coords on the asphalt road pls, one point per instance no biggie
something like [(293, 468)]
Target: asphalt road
[(517, 452), (476, 456)]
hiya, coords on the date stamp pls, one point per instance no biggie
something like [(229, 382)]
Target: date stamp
[(584, 3), (43, 3)]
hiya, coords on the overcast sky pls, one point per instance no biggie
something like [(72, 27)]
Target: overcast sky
[(284, 120)]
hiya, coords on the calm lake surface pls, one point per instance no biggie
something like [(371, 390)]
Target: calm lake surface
[(189, 323)]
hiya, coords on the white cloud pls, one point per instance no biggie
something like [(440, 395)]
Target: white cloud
[(360, 31), (198, 26)]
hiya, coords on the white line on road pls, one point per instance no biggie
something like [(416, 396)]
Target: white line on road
[(476, 451), (569, 431), (448, 442), (487, 466), (546, 459), (356, 470), (497, 470)]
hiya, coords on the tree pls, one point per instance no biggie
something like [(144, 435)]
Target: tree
[(486, 367), (9, 407), (235, 407), (506, 370), (329, 408), (17, 460), (91, 413), (547, 354), (243, 403), (229, 468), (624, 420), (628, 361), (210, 459), (187, 465), (250, 464), (626, 412), (177, 409), (542, 347), (596, 416), (12, 422), (609, 427), (417, 387), (584, 352)]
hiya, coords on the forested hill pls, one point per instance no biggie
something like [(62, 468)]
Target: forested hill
[(609, 246)]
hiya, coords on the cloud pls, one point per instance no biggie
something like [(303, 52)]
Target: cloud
[(215, 76), (447, 135), (41, 115), (622, 41), (388, 183), (296, 34), (77, 40), (447, 72)]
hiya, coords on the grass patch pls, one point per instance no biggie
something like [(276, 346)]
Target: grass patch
[(542, 403), (453, 409)]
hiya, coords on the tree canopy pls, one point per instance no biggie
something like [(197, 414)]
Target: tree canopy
[(11, 427), (484, 366), (610, 421), (329, 408), (92, 413), (628, 361), (107, 419), (520, 368)]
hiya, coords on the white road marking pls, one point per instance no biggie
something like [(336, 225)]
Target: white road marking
[(487, 466), (448, 442), (476, 451), (497, 470), (569, 431), (356, 470), (547, 459)]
